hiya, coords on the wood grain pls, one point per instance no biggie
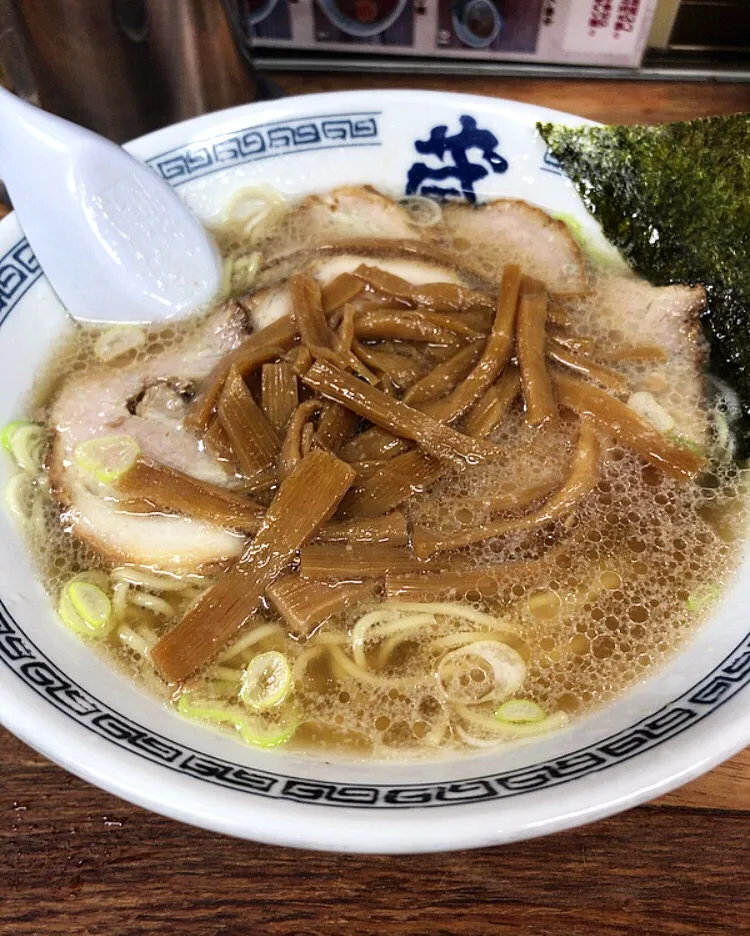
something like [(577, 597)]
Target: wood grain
[(726, 787), (607, 101), (75, 860)]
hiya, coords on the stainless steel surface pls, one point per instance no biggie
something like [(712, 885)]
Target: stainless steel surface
[(414, 66)]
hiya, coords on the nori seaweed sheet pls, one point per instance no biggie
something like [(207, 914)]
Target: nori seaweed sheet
[(675, 199)]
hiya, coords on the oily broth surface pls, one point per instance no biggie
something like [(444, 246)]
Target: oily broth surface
[(608, 605)]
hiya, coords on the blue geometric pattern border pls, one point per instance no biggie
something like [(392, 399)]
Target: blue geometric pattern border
[(19, 269), (40, 674), (266, 141)]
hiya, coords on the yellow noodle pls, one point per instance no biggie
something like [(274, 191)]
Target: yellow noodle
[(225, 674), (262, 632), (383, 624), (151, 603), (350, 668), (155, 581), (132, 640), (303, 661)]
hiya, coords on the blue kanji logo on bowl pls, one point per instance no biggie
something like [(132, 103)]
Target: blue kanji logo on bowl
[(470, 138)]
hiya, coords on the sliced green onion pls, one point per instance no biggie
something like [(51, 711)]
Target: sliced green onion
[(686, 442), (646, 405), (118, 340), (606, 255), (8, 431), (19, 495), (95, 576), (26, 442), (252, 210), (423, 212), (726, 443), (266, 681), (574, 225), (455, 671), (520, 711), (492, 730), (91, 603), (85, 608), (252, 729), (106, 458), (703, 596)]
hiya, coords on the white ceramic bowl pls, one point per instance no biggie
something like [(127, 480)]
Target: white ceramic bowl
[(59, 697)]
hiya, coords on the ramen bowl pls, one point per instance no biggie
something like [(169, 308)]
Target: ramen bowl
[(60, 697)]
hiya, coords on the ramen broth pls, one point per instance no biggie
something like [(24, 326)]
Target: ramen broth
[(590, 601)]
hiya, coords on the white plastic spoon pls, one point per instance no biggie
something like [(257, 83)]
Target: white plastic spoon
[(114, 240)]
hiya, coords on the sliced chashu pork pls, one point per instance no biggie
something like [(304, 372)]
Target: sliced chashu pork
[(668, 317), (270, 303), (643, 314), (350, 211), (98, 403), (144, 400), (513, 231), (503, 231)]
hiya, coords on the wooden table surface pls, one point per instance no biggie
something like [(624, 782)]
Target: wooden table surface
[(75, 860)]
